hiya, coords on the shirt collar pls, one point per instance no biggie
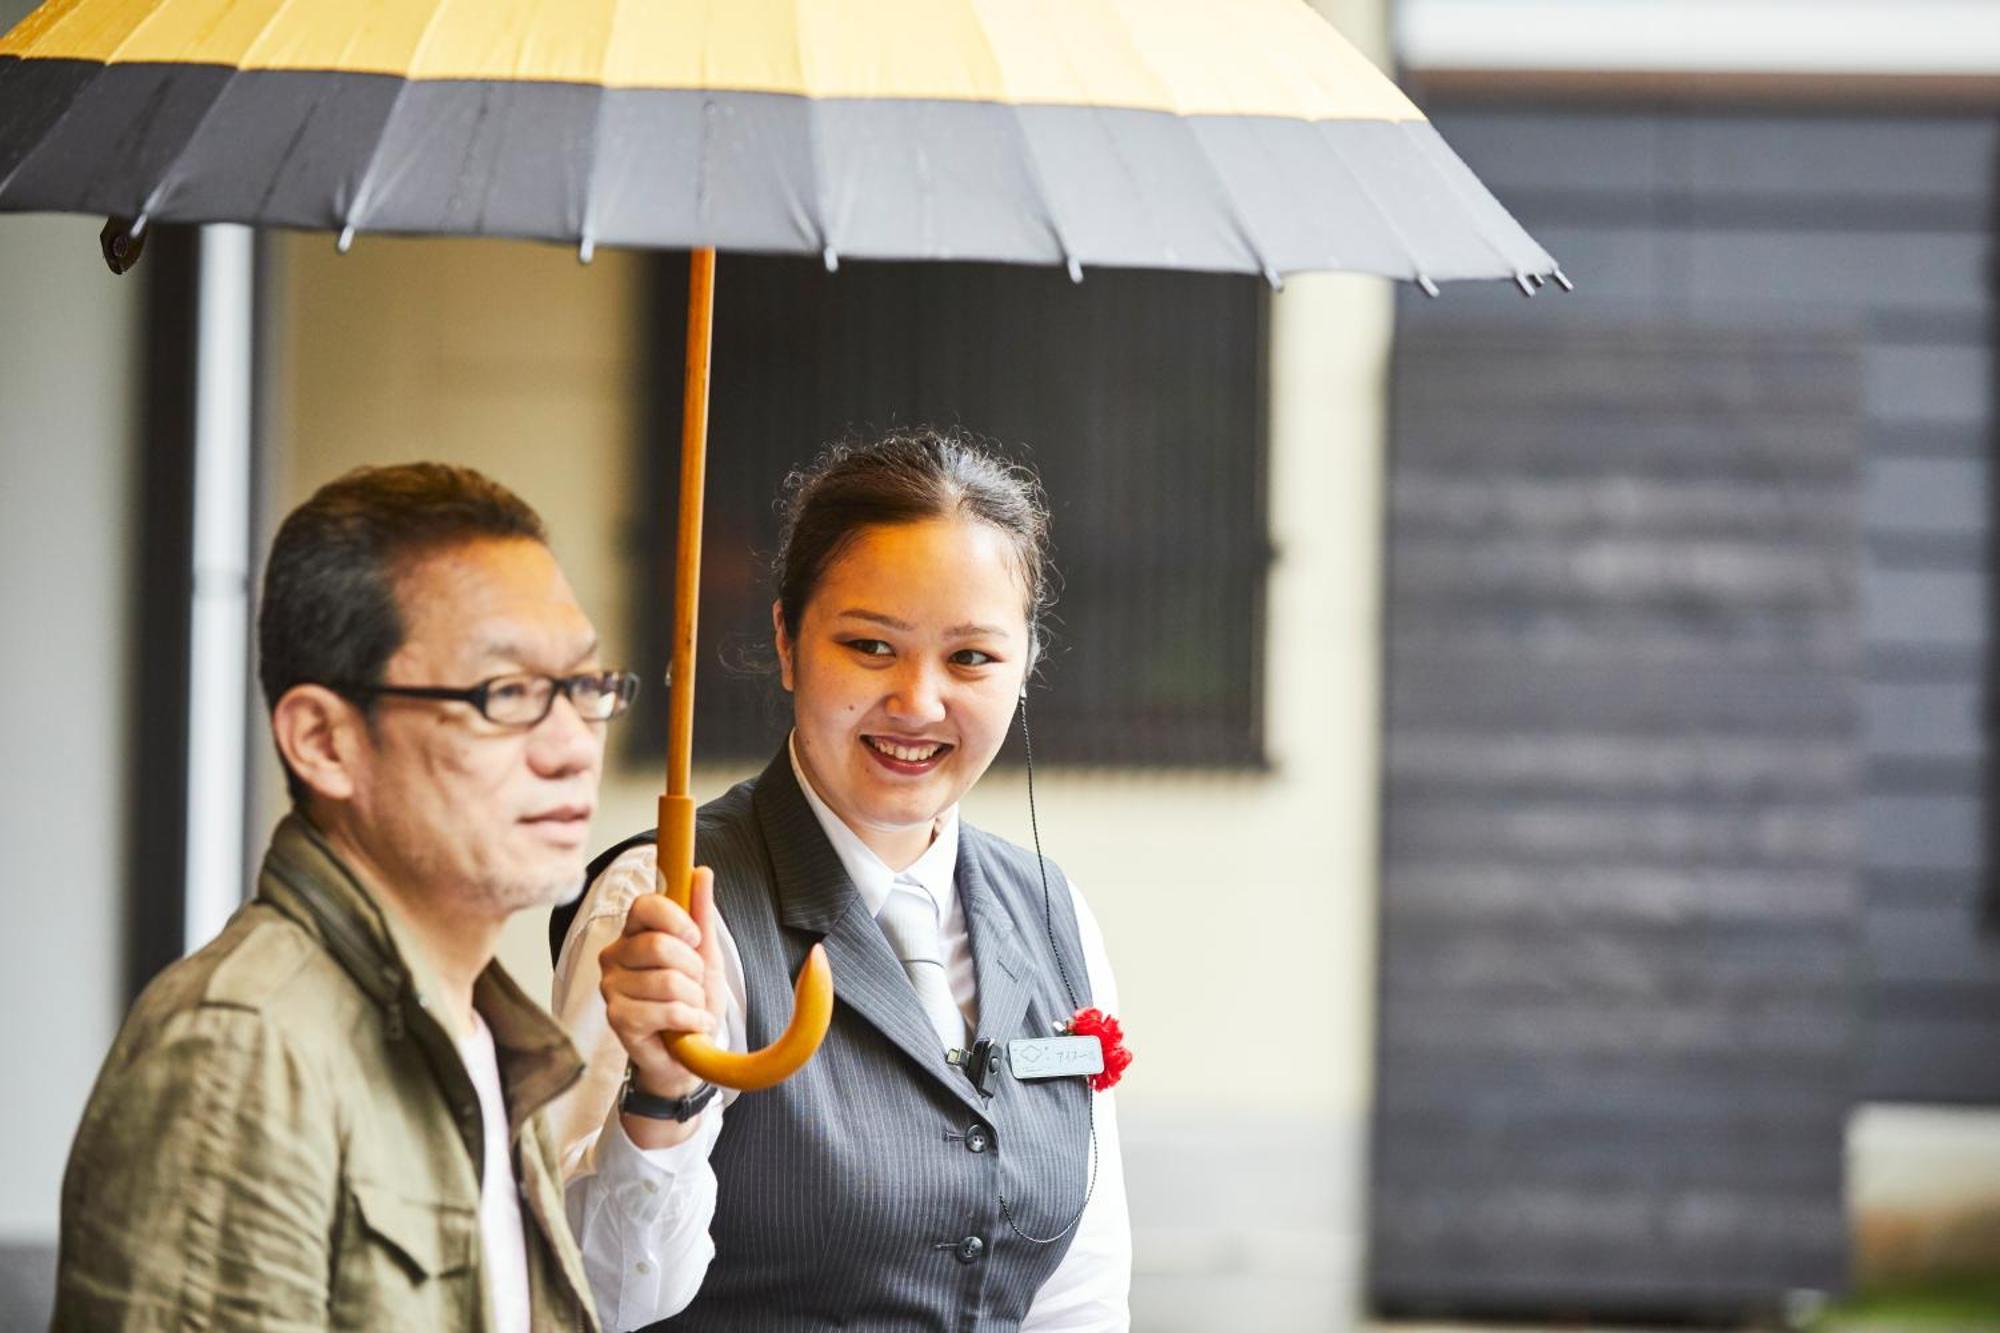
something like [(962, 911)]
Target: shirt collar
[(933, 872), (305, 879)]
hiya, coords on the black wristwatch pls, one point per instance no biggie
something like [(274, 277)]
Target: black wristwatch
[(632, 1101)]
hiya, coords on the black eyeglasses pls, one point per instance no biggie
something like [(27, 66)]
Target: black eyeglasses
[(524, 700)]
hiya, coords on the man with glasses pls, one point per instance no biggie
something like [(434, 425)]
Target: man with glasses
[(333, 1114)]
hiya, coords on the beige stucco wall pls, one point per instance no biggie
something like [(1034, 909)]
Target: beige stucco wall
[(69, 397)]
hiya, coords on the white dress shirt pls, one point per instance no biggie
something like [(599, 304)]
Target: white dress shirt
[(500, 1237), (641, 1216)]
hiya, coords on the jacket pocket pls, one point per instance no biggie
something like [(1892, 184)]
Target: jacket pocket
[(426, 1239)]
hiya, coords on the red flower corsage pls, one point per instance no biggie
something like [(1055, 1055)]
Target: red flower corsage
[(1096, 1023)]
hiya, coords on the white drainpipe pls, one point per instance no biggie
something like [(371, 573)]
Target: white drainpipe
[(219, 668)]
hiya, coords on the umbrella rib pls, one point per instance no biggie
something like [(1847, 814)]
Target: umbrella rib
[(818, 205), (132, 34), (586, 245), (1243, 232), (816, 200), (821, 207), (35, 29), (48, 135), (1417, 273), (236, 72), (366, 182), (1425, 152), (1029, 162)]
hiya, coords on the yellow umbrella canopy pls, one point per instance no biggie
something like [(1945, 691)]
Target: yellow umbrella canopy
[(1227, 135), (1230, 135)]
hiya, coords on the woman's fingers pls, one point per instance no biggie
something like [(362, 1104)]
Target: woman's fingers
[(702, 899), (644, 1021), (652, 949), (663, 976), (656, 911), (659, 984)]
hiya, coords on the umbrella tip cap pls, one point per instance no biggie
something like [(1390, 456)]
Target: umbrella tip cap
[(1430, 288), (1075, 267), (586, 250), (345, 240), (1562, 280), (121, 241), (831, 259)]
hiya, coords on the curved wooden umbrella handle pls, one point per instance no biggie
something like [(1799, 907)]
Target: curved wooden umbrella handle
[(812, 999)]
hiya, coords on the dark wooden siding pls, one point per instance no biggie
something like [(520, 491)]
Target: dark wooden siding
[(1617, 1041), (1881, 224), (1773, 231)]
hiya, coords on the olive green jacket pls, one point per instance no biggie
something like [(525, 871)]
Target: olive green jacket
[(284, 1136)]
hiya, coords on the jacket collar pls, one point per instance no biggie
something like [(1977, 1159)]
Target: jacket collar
[(1000, 960), (305, 879), (813, 890), (814, 895)]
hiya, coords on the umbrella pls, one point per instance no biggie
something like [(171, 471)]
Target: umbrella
[(1225, 135)]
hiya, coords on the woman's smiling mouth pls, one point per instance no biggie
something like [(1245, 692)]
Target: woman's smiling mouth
[(900, 756)]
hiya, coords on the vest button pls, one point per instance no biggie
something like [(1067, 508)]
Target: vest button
[(977, 1139), (970, 1249)]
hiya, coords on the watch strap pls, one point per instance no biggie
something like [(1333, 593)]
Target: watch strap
[(633, 1101)]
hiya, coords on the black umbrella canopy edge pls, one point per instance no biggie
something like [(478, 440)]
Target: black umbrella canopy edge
[(585, 165)]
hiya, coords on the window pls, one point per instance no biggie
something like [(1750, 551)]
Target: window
[(1137, 396)]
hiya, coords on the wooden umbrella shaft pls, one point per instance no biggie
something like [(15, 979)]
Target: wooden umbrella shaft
[(676, 862), (812, 997)]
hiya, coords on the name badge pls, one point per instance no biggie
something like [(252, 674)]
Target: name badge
[(1055, 1057)]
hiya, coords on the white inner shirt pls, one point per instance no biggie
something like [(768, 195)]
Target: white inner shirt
[(934, 875), (500, 1234)]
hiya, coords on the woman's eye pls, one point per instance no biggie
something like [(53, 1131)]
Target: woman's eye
[(869, 647), (972, 657)]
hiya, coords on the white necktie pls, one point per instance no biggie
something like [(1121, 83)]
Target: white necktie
[(909, 918)]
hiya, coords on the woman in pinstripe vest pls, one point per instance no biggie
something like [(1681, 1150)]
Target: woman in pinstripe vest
[(881, 1187)]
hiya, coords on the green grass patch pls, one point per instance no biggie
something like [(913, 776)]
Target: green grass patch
[(1967, 1304)]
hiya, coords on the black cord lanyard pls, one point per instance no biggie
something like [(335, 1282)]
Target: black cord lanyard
[(1055, 952)]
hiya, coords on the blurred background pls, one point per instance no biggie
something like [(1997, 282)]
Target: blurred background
[(1529, 758)]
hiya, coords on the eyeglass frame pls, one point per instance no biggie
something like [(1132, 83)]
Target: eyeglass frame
[(477, 695)]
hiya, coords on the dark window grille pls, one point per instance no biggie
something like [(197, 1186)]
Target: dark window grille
[(1137, 396)]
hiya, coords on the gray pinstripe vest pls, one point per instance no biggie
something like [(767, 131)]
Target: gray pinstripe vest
[(852, 1195)]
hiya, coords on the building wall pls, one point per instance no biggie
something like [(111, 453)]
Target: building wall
[(1875, 223), (1620, 881), (68, 420)]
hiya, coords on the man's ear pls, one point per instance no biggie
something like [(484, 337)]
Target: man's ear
[(319, 735), (784, 642)]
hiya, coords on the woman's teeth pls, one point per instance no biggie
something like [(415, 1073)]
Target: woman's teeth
[(909, 754)]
